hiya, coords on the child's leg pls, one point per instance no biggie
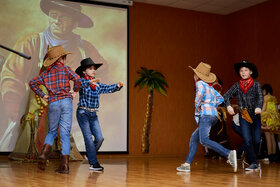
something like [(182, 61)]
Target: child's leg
[(205, 123), (193, 146), (66, 125), (237, 129), (273, 144), (53, 118), (96, 131), (256, 133), (83, 118), (247, 136), (268, 142)]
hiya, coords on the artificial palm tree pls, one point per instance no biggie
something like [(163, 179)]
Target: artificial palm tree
[(153, 80)]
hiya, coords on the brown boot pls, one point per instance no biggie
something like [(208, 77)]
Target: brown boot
[(42, 159), (64, 165)]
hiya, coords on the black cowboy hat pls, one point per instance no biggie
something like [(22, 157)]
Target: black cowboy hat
[(71, 8), (246, 64), (86, 63)]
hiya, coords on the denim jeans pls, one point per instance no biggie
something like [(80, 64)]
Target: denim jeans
[(60, 113), (202, 134), (237, 129), (89, 124), (251, 134)]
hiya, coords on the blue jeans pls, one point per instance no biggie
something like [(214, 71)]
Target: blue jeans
[(237, 129), (89, 125), (251, 134), (202, 134), (60, 113)]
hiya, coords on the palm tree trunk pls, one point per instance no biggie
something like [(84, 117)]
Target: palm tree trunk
[(147, 123)]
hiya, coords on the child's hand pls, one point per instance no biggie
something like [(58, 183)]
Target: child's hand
[(94, 82), (230, 110), (120, 84), (46, 97), (73, 94), (258, 111)]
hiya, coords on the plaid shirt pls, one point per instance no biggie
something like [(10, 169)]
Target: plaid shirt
[(251, 100), (90, 98), (207, 100), (56, 80)]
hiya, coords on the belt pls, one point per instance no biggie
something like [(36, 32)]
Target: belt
[(89, 109)]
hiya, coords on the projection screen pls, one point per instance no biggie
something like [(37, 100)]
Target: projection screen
[(86, 30)]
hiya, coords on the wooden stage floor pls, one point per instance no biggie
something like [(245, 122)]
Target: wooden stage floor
[(138, 172)]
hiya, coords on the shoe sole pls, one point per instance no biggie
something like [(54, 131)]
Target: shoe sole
[(91, 169), (256, 169), (181, 170)]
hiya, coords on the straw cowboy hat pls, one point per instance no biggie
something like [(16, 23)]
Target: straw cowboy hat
[(54, 54), (72, 8), (247, 64), (86, 63), (203, 72)]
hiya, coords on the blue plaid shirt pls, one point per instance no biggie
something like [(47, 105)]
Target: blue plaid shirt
[(206, 101), (90, 98)]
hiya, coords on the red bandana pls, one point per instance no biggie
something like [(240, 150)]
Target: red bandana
[(89, 78), (57, 63), (246, 84)]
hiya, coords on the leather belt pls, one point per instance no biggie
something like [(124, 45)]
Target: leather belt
[(89, 109)]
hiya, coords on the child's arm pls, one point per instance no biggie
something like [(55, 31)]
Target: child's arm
[(74, 77), (110, 88), (220, 98), (228, 96), (84, 83), (200, 90), (259, 104), (34, 85)]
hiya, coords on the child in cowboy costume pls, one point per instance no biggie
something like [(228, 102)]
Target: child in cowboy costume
[(88, 105), (250, 101), (206, 101), (56, 79)]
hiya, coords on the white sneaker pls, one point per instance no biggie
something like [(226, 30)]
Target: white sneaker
[(184, 168), (233, 160)]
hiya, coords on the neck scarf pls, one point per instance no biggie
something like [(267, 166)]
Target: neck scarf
[(246, 84), (57, 64), (89, 78)]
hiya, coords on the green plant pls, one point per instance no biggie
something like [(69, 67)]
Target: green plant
[(152, 80)]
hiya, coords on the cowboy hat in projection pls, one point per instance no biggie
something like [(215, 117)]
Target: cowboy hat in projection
[(71, 8)]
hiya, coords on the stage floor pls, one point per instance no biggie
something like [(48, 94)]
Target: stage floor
[(138, 172)]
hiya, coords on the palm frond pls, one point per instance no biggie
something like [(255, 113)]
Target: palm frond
[(143, 83), (152, 79), (162, 81), (139, 80), (159, 74), (161, 91), (160, 88)]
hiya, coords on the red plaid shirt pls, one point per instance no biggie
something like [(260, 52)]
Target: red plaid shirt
[(56, 80)]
